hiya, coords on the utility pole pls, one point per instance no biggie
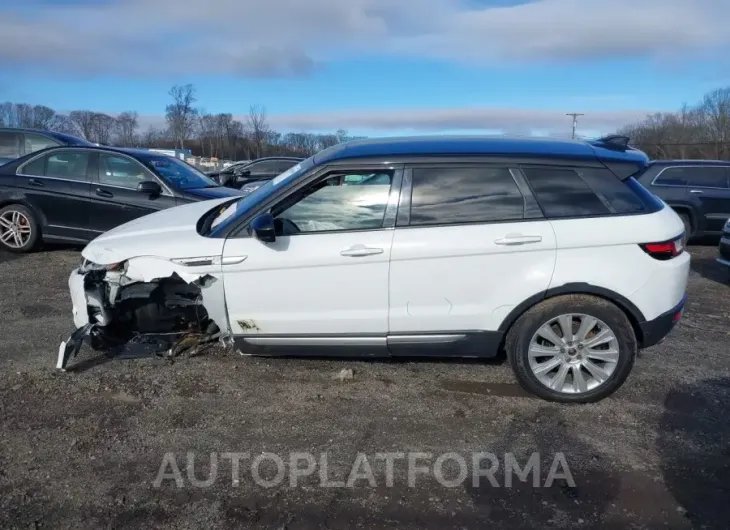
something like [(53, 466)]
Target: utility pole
[(575, 120)]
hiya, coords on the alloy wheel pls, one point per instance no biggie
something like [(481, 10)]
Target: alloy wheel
[(573, 353), (15, 229)]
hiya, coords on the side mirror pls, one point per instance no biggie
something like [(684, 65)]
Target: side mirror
[(263, 228), (243, 173), (149, 187)]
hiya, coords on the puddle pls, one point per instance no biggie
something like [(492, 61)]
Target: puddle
[(486, 389)]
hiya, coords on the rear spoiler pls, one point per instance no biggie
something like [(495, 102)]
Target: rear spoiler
[(616, 142), (623, 166)]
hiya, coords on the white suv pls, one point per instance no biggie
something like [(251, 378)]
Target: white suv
[(451, 246)]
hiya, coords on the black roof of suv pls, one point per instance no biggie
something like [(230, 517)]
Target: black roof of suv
[(698, 190)]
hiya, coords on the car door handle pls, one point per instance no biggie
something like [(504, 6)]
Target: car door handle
[(518, 239), (103, 193), (696, 191), (361, 250), (35, 182)]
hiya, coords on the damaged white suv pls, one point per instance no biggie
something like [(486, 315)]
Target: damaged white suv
[(547, 250)]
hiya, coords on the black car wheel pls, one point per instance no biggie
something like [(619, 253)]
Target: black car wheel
[(19, 230), (572, 349)]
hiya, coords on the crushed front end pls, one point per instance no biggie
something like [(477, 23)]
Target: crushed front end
[(152, 304)]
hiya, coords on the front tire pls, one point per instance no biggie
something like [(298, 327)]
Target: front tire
[(19, 229), (572, 349)]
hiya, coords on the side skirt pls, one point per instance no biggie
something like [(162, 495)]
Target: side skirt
[(465, 344)]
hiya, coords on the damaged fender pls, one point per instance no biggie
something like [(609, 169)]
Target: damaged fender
[(119, 302)]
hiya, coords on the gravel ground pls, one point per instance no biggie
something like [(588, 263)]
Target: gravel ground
[(83, 448)]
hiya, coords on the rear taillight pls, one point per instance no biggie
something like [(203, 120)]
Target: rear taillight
[(664, 250)]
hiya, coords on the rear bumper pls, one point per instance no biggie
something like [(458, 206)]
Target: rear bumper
[(654, 331)]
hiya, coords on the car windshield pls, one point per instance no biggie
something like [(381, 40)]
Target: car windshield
[(238, 208), (178, 173)]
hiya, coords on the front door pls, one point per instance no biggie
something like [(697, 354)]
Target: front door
[(323, 283), (114, 196)]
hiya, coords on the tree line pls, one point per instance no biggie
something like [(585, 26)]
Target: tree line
[(188, 126), (701, 130), (697, 131)]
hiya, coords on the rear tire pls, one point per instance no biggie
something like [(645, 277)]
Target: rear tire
[(687, 227), (19, 229), (592, 368)]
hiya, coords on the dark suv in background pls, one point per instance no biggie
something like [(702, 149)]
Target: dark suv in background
[(15, 143), (698, 190)]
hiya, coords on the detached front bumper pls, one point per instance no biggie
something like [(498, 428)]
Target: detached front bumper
[(78, 298), (654, 331)]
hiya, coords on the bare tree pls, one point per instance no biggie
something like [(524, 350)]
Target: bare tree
[(84, 122), (181, 114), (126, 129), (103, 127), (257, 128)]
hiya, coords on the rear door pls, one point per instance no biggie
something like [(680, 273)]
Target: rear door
[(470, 244), (115, 199), (708, 188), (57, 186)]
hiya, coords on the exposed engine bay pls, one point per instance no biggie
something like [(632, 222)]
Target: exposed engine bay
[(125, 313)]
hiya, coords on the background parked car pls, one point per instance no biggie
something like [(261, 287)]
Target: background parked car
[(250, 176), (215, 174), (698, 190), (15, 143), (73, 194), (724, 246)]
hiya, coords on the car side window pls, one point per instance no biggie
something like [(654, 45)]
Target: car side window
[(265, 167), (562, 193), (71, 165), (326, 206), (457, 195), (614, 193), (36, 142), (34, 168), (672, 176), (9, 145), (283, 165), (120, 171), (707, 177)]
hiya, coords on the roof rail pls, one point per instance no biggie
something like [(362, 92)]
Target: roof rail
[(614, 141)]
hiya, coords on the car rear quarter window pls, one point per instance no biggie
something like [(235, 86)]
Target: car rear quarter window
[(460, 195), (36, 142), (9, 145), (614, 193), (563, 193), (35, 168)]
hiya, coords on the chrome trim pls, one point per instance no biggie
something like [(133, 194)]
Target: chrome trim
[(653, 181), (425, 339), (76, 228), (313, 341)]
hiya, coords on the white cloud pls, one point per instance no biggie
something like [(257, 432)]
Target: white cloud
[(474, 119), (292, 37)]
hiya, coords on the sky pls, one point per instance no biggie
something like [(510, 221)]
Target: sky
[(372, 67)]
